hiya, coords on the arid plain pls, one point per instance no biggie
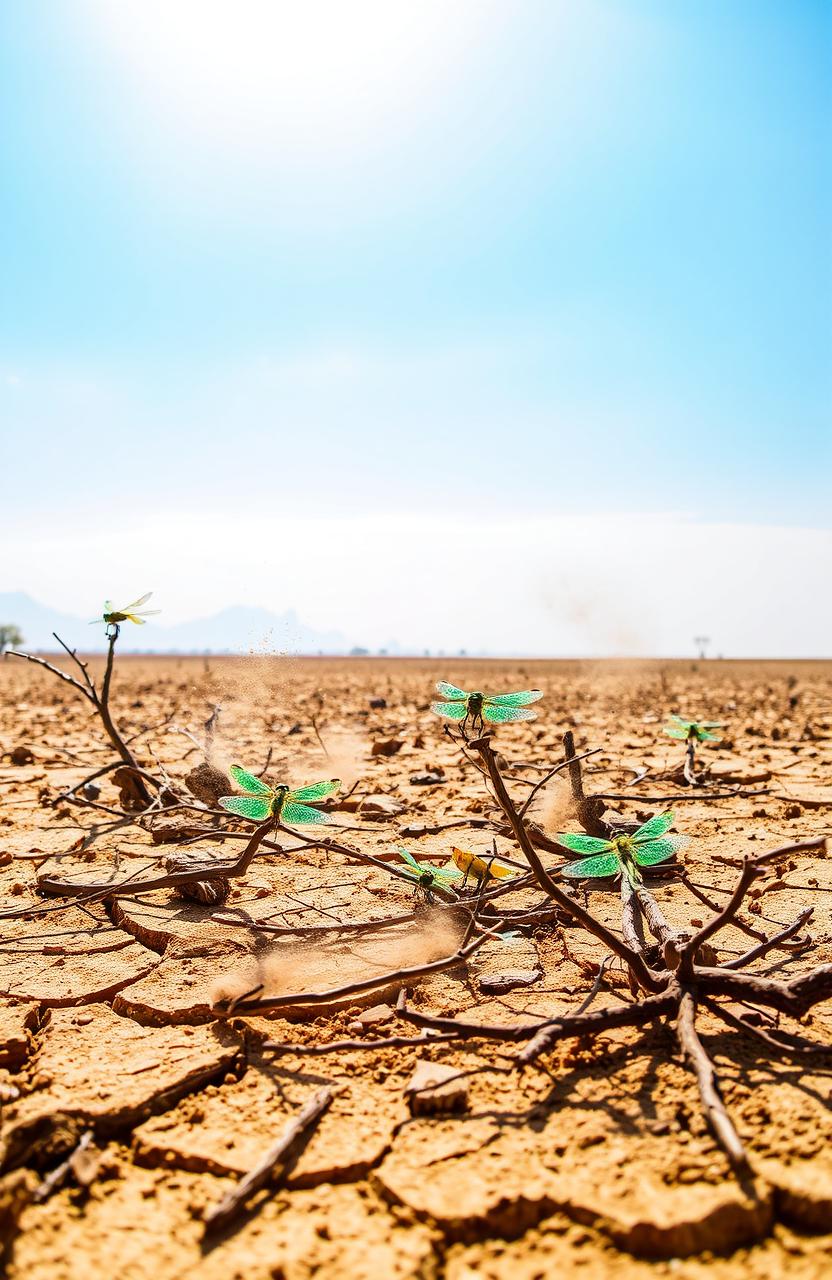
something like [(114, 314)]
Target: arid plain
[(597, 1158)]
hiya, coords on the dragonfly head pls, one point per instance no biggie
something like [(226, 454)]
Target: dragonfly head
[(475, 701)]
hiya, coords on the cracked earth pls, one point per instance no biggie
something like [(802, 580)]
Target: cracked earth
[(596, 1160)]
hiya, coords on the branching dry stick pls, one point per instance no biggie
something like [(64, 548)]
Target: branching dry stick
[(55, 886), (357, 1046), (770, 944), (643, 974), (569, 764), (750, 870), (783, 1042), (274, 1166), (708, 1082), (587, 809), (100, 701)]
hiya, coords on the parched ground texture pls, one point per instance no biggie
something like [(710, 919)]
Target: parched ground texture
[(596, 1160)]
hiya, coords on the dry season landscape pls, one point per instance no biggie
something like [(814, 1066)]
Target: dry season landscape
[(157, 1041)]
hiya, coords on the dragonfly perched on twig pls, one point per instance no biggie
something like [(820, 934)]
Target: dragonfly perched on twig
[(261, 802), (693, 730), (477, 708), (112, 617), (427, 877), (644, 848)]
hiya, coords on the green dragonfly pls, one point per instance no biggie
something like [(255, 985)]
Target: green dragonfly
[(112, 616), (261, 802), (426, 877), (644, 848), (693, 730), (499, 708)]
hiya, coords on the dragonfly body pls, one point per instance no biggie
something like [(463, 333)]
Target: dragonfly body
[(478, 708), (427, 878), (112, 616), (693, 730), (263, 803), (623, 855)]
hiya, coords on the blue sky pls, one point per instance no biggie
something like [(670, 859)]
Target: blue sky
[(370, 271)]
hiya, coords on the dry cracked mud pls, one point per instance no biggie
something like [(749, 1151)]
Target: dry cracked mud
[(596, 1160)]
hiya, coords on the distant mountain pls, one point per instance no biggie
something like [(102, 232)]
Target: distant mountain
[(239, 629)]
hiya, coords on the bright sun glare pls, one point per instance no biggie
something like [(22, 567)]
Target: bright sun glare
[(287, 73)]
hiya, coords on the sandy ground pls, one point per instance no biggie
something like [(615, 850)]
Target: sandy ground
[(595, 1161)]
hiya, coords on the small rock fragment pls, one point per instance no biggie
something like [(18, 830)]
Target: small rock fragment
[(21, 755), (377, 1014), (435, 1088), (386, 747), (380, 806)]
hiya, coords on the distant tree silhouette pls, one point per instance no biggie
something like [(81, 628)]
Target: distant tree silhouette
[(10, 636)]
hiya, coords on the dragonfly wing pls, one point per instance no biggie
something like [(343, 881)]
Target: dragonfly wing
[(603, 864), (686, 724), (299, 814), (247, 807), (317, 790), (135, 617), (450, 710), (137, 604), (108, 606), (451, 692), (654, 827), (712, 724), (505, 715), (514, 699), (247, 782), (499, 872), (583, 844), (408, 857), (704, 736), (448, 873), (677, 733), (647, 855), (148, 613)]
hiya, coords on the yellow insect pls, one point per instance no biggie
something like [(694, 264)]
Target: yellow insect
[(129, 613), (483, 868)]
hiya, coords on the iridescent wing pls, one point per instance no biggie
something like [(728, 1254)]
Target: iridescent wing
[(447, 874), (514, 699), (654, 828), (299, 814), (603, 864), (247, 807), (134, 617), (450, 710), (686, 724), (109, 607), (647, 855), (408, 857), (583, 844), (704, 736), (504, 715), (450, 691), (140, 617), (247, 782), (316, 791), (712, 724), (677, 733)]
